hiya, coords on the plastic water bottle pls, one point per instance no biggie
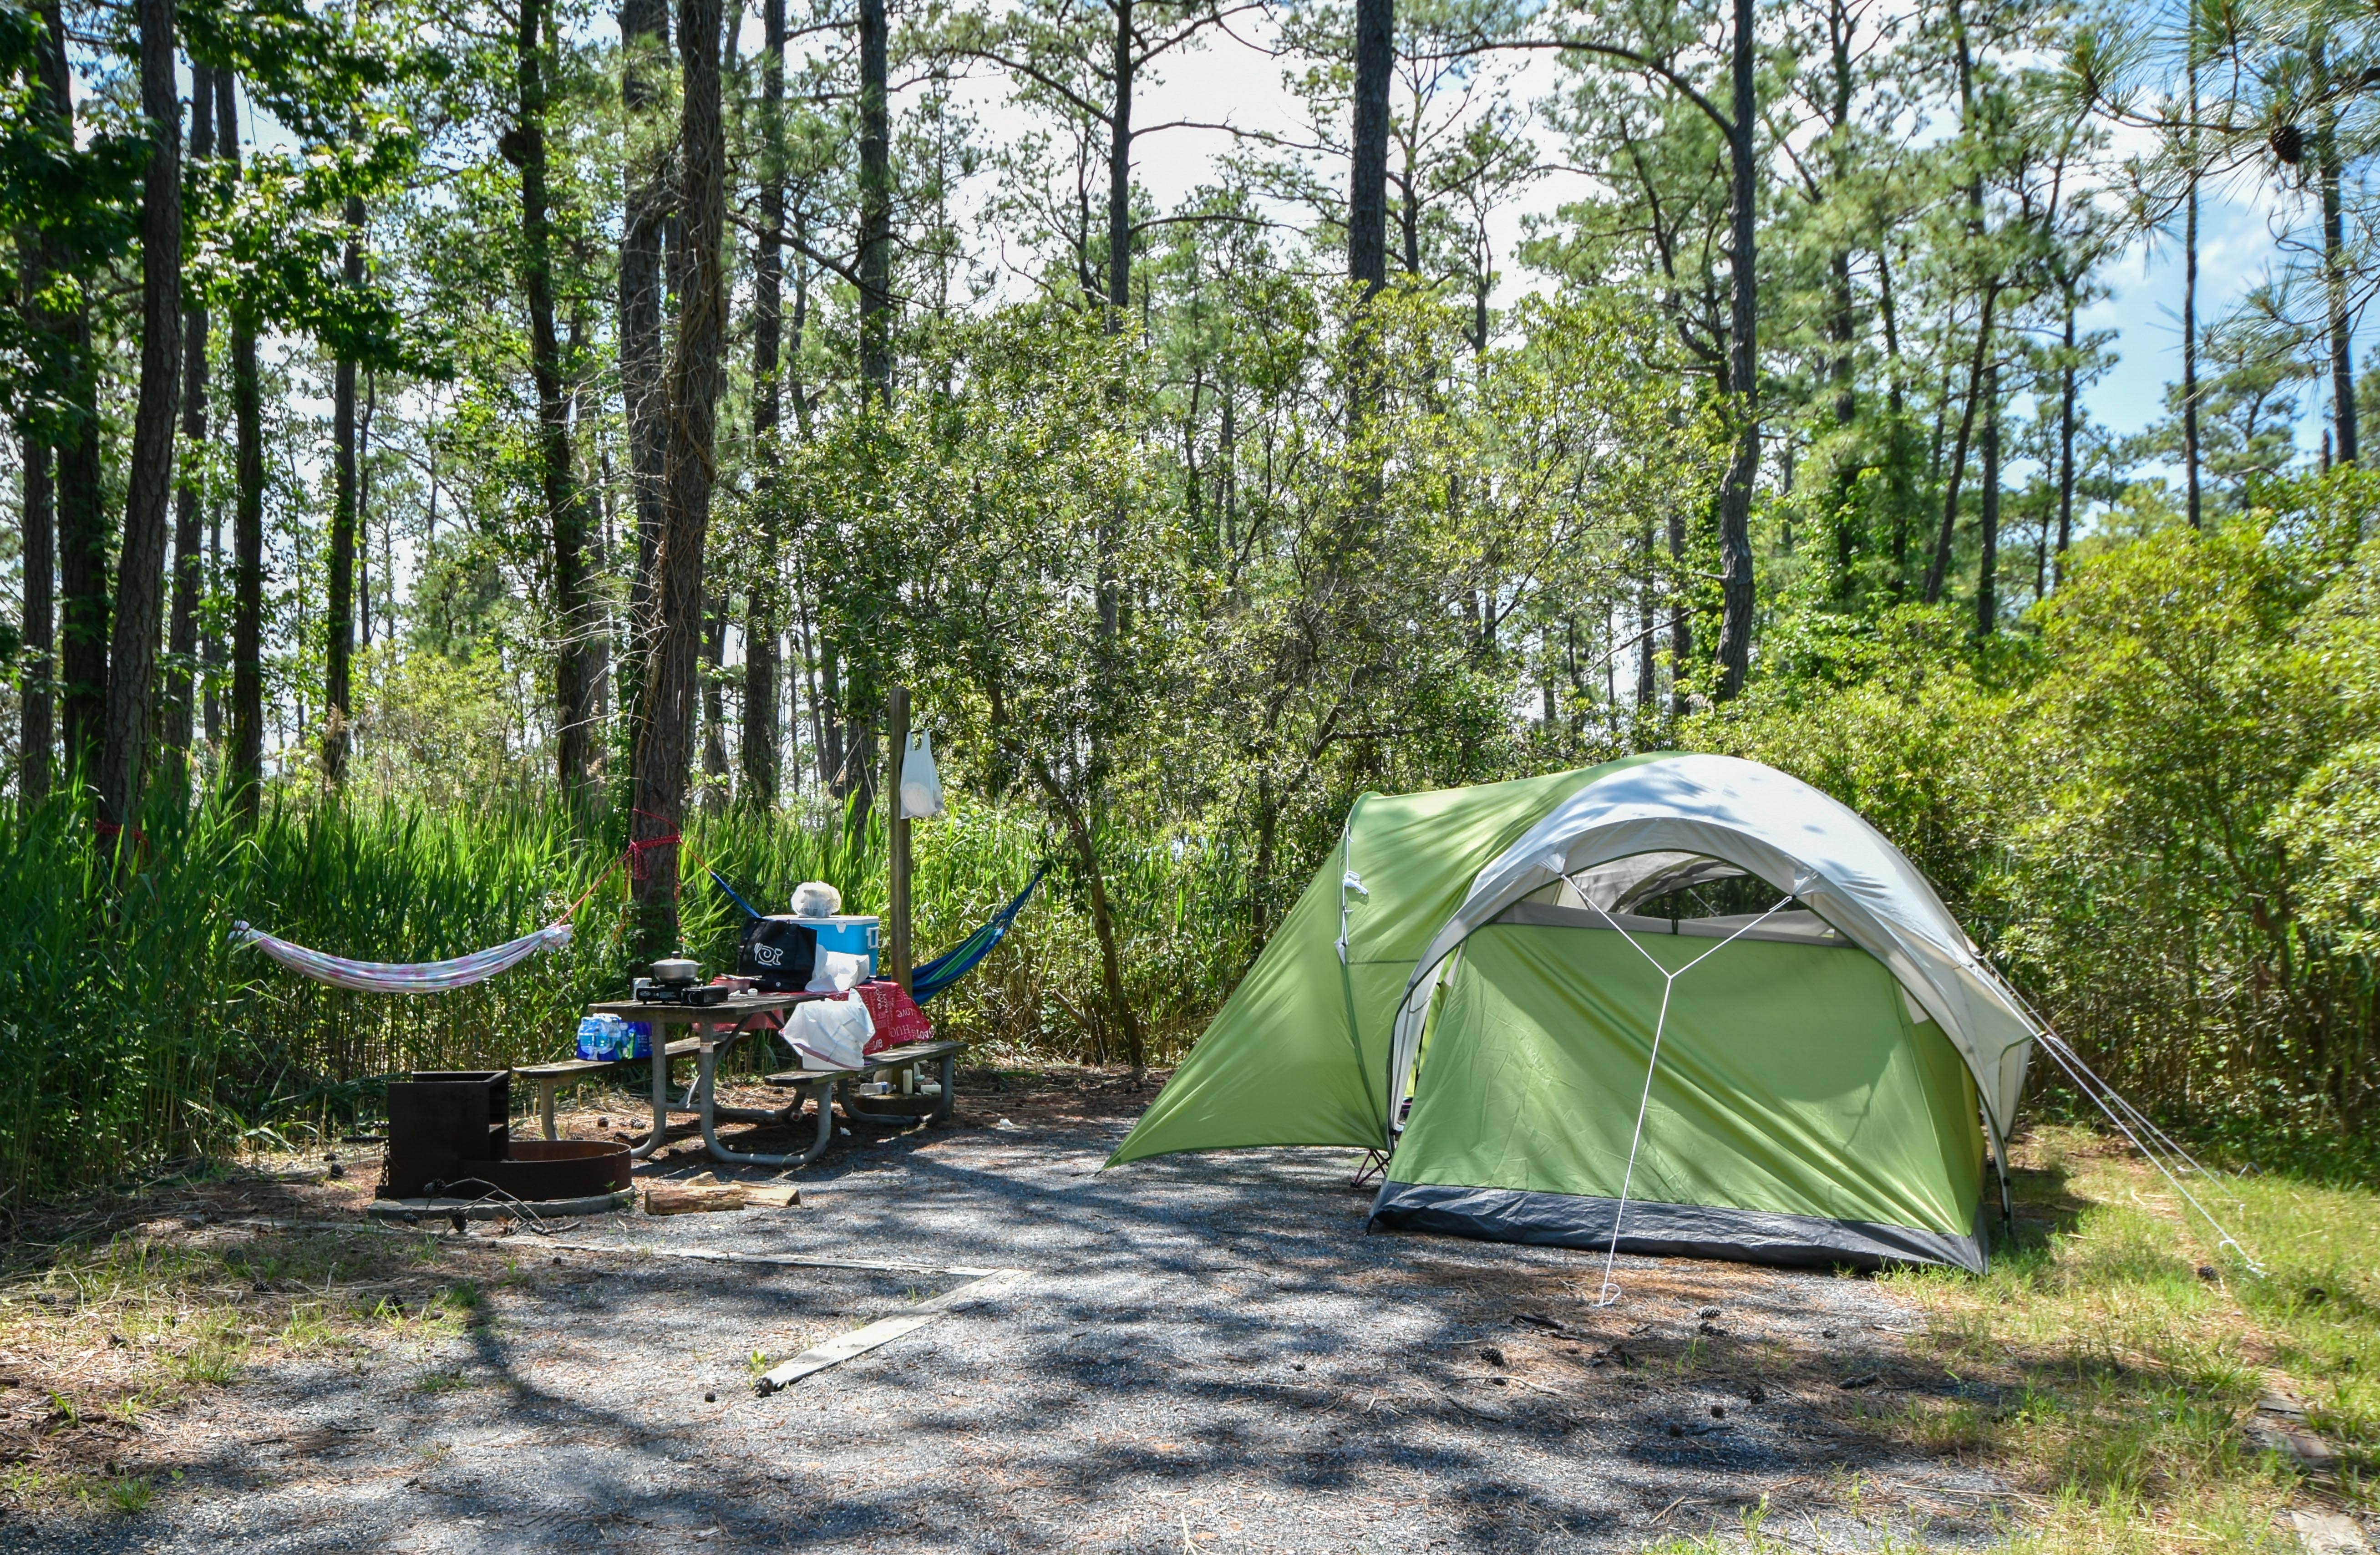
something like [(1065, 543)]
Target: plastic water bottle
[(596, 1039)]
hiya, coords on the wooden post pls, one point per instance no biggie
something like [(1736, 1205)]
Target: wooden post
[(896, 827)]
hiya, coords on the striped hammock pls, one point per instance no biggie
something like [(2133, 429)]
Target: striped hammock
[(391, 977)]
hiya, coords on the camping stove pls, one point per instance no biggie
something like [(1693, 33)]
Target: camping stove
[(652, 991)]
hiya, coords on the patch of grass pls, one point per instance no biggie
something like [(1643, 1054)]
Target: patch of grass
[(218, 1345), (435, 1382), (2114, 1353), (131, 1495)]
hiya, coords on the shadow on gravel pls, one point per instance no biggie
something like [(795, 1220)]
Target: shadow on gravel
[(1211, 1353)]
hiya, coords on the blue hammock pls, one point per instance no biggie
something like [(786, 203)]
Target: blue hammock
[(953, 964)]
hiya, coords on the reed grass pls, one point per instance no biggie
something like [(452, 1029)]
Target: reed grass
[(134, 1030)]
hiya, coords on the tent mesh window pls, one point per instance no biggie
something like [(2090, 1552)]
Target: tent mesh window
[(1672, 893)]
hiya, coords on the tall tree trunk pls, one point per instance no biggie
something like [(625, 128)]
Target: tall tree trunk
[(1736, 594), (1103, 926), (140, 572), (80, 677), (363, 514), (566, 513), (827, 702), (714, 709), (338, 655), (1841, 323), (211, 647), (875, 207), (2065, 442), (1122, 64), (244, 769), (2190, 458), (182, 613), (644, 39), (1367, 180), (686, 471), (1120, 171), (40, 556), (1987, 605), (761, 614), (1893, 422), (2334, 265), (1647, 666), (1938, 569), (1682, 619)]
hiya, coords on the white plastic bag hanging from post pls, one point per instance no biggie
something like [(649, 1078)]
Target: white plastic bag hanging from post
[(829, 1033), (921, 786)]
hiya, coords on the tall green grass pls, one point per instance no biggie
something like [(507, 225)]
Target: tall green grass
[(133, 1030)]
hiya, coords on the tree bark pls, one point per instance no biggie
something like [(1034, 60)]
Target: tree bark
[(2334, 268), (140, 576), (245, 766), (1987, 606), (80, 675), (565, 514), (1648, 667), (338, 655), (1120, 172), (1367, 187), (875, 208), (2190, 458), (715, 709), (644, 39), (761, 613), (1736, 589), (2065, 443), (1841, 324), (686, 474), (1103, 927), (40, 516), (1938, 569), (182, 614), (1681, 620)]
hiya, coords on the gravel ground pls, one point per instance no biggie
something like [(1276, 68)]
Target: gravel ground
[(1210, 1353)]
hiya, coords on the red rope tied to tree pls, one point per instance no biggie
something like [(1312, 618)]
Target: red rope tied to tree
[(638, 869), (108, 832)]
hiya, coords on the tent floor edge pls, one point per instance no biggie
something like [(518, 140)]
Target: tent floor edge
[(1657, 1229)]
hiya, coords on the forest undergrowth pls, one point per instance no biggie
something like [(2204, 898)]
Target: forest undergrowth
[(139, 1030)]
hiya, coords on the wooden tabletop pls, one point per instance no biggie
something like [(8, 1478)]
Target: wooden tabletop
[(735, 1007)]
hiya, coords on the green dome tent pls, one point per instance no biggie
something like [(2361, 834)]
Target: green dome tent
[(1550, 998)]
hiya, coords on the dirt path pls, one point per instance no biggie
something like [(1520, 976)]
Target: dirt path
[(1210, 1355)]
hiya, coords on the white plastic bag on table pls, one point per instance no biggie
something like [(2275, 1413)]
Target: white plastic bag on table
[(921, 786), (837, 972), (829, 1033)]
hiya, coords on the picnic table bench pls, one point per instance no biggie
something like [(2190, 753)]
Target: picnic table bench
[(550, 1078), (717, 1030)]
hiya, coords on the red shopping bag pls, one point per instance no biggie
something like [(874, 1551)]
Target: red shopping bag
[(899, 1022)]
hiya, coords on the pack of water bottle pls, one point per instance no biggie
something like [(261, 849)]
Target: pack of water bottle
[(607, 1039)]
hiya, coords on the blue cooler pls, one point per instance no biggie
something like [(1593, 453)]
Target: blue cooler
[(847, 934)]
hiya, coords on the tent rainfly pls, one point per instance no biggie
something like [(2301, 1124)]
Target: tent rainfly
[(1559, 1007)]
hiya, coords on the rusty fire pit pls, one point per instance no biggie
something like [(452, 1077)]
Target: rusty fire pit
[(449, 1136)]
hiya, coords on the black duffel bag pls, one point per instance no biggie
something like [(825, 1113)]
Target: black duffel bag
[(778, 952)]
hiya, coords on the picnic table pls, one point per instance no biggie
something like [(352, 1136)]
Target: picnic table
[(716, 1028)]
